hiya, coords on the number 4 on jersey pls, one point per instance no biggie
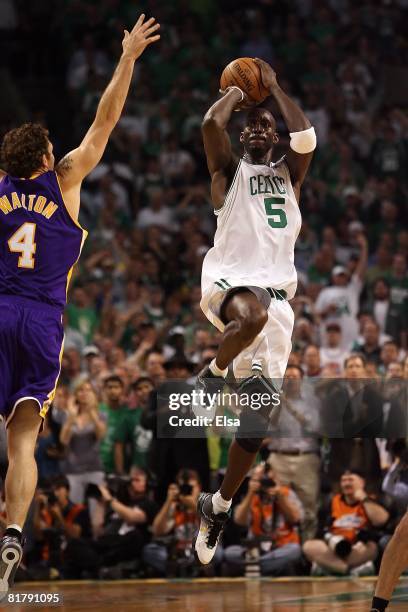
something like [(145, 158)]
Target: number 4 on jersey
[(282, 219), (22, 241)]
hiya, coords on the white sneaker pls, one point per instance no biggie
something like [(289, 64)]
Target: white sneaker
[(11, 552), (210, 530)]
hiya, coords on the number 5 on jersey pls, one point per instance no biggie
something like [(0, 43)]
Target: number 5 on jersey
[(282, 219), (22, 241)]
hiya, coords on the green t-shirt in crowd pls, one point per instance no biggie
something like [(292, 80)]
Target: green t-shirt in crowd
[(399, 290), (140, 439), (316, 276), (114, 418), (85, 320)]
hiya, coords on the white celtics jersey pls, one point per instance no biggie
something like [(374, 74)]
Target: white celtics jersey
[(257, 228)]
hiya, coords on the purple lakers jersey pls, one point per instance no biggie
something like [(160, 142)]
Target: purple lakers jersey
[(39, 240)]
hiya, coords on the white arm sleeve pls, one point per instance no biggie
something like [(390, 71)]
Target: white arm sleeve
[(356, 284), (304, 141)]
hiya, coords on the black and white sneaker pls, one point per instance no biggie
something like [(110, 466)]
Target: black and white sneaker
[(11, 553), (211, 527), (257, 382), (207, 388)]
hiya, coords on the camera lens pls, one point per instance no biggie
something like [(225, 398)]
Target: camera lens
[(185, 489), (266, 483)]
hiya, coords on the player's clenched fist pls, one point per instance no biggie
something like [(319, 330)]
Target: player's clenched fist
[(142, 35)]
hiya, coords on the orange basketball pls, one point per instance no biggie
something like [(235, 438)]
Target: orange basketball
[(245, 74)]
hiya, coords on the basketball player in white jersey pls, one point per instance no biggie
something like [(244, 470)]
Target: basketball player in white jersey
[(249, 275)]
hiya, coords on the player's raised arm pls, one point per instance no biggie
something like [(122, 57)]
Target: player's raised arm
[(302, 134), (73, 168), (221, 161)]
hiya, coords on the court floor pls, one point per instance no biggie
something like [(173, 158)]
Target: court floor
[(203, 595)]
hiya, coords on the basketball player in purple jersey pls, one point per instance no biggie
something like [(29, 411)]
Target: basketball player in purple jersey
[(40, 241)]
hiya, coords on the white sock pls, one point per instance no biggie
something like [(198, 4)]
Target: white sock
[(16, 527), (256, 367), (220, 504), (216, 370)]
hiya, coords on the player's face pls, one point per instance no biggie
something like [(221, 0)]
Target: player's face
[(259, 135)]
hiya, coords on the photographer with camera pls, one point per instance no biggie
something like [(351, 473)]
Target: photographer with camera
[(62, 530), (174, 527), (350, 542), (129, 513), (272, 513)]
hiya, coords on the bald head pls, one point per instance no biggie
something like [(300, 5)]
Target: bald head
[(259, 113)]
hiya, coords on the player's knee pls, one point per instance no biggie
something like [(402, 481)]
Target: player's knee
[(23, 428), (253, 324)]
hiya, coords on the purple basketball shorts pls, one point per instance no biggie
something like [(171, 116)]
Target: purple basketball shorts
[(31, 339)]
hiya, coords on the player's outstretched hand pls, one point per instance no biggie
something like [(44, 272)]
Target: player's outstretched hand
[(142, 35), (268, 75)]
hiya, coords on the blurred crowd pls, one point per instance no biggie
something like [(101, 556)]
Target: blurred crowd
[(113, 500)]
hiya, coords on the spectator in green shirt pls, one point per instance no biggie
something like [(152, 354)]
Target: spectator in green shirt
[(399, 281), (115, 411), (82, 314), (130, 434)]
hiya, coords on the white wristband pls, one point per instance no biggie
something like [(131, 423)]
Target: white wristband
[(240, 91)]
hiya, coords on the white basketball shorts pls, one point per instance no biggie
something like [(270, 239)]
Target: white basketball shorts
[(271, 348)]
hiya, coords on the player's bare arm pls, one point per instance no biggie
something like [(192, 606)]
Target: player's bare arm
[(75, 166), (296, 121), (221, 161)]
